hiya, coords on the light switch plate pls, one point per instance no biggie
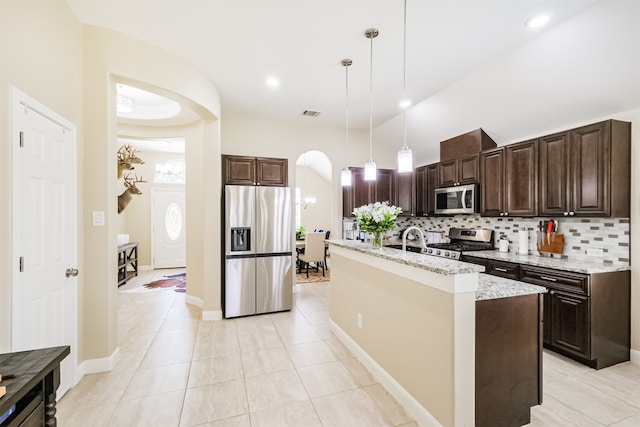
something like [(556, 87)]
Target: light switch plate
[(98, 218)]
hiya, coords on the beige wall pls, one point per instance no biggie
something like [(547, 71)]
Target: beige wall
[(249, 137), (634, 117), (317, 216), (41, 55), (413, 331)]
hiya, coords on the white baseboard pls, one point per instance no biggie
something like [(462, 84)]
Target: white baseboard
[(190, 299), (212, 315), (635, 357), (145, 267), (95, 366), (413, 407), (206, 314)]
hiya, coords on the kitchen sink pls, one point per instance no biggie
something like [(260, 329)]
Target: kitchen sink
[(415, 249)]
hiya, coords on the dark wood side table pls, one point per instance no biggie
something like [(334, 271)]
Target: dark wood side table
[(127, 257), (32, 393)]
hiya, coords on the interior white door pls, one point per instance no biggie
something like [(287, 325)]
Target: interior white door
[(44, 205), (169, 233)]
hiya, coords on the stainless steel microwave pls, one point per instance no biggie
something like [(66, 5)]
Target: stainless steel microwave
[(461, 199)]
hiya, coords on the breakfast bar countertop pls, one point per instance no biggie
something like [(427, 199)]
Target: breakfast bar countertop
[(425, 262), (576, 266), (493, 287)]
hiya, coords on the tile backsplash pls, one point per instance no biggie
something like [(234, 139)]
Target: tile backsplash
[(606, 239)]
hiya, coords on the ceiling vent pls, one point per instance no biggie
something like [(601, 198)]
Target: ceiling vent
[(311, 113)]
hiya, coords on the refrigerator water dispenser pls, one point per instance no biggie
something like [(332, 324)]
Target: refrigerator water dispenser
[(240, 239)]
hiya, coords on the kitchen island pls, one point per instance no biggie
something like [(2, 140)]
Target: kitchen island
[(411, 319)]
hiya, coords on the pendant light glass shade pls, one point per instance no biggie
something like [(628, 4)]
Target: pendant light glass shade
[(405, 156), (345, 176), (405, 160), (370, 172)]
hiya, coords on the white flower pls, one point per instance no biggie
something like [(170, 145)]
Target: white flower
[(377, 217)]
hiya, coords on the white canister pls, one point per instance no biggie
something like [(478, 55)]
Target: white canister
[(503, 245)]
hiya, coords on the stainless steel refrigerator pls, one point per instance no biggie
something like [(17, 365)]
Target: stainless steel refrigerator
[(258, 275)]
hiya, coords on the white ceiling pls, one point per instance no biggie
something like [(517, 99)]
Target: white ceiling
[(239, 43)]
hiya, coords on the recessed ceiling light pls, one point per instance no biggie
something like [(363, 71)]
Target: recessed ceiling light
[(272, 82), (405, 103), (537, 21)]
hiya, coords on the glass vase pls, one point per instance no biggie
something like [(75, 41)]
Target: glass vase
[(377, 238)]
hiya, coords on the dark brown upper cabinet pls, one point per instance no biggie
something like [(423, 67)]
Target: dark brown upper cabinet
[(509, 180), (404, 192), (363, 192), (464, 170), (243, 170), (427, 180), (586, 171)]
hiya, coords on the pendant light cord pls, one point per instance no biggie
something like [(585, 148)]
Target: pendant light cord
[(404, 75), (371, 103), (346, 145)]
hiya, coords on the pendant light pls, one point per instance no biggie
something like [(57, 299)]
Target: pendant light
[(405, 156), (370, 167), (345, 176)]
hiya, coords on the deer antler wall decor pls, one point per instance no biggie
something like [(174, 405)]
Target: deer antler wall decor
[(125, 197), (127, 157)]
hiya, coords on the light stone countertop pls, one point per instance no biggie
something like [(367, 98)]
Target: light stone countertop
[(489, 287), (575, 266), (425, 262), (493, 287)]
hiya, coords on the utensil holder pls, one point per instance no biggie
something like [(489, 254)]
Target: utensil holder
[(551, 244)]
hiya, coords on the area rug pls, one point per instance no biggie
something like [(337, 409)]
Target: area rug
[(176, 281), (314, 276)]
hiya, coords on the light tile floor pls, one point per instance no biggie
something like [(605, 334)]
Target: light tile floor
[(285, 369)]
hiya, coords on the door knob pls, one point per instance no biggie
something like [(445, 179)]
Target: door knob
[(71, 272)]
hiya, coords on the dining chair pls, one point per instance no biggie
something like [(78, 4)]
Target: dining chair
[(313, 252), (326, 248)]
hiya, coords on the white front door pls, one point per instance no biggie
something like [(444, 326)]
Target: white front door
[(44, 223), (169, 241)]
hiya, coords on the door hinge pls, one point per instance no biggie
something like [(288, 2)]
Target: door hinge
[(21, 264), (21, 138)]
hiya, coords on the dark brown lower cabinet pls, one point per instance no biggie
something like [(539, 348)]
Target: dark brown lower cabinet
[(586, 317), (569, 315), (508, 360)]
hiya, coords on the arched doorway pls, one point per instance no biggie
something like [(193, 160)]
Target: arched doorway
[(313, 189)]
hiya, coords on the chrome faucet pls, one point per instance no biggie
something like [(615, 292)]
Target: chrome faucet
[(404, 238)]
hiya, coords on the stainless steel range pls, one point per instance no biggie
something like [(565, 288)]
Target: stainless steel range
[(462, 240)]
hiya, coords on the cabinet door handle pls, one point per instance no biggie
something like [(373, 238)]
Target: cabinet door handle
[(551, 292), (504, 270), (572, 213), (551, 279), (566, 214)]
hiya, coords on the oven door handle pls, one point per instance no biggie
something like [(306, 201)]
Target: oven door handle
[(464, 197)]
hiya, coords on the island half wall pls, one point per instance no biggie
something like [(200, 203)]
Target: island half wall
[(412, 326)]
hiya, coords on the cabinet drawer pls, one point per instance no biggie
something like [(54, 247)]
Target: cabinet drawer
[(504, 269), (554, 279), (474, 260)]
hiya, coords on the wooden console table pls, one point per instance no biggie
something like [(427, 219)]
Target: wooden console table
[(32, 393), (127, 262)]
